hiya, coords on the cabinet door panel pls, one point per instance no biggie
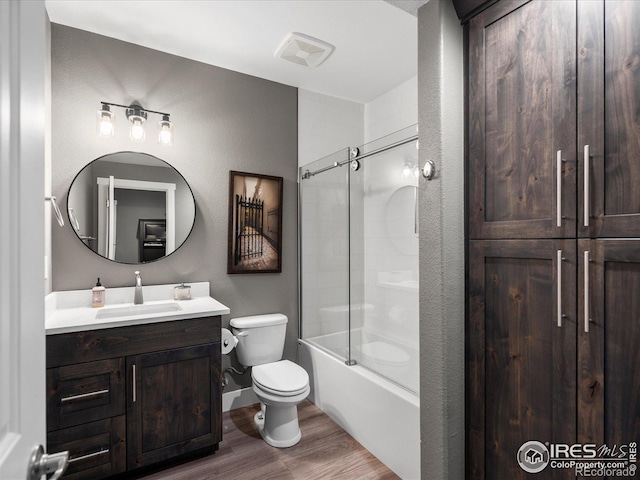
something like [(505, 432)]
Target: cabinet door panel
[(522, 111), (521, 364), (177, 403), (609, 357), (609, 118)]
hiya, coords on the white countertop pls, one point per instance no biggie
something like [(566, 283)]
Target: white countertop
[(70, 311)]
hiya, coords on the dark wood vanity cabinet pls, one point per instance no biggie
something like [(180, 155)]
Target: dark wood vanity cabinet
[(123, 398), (172, 412), (553, 145)]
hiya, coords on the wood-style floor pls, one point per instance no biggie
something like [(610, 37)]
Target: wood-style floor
[(324, 452)]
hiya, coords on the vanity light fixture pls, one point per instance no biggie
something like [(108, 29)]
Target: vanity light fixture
[(165, 137), (106, 119), (137, 117)]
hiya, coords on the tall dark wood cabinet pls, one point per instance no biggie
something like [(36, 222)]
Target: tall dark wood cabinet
[(609, 341), (609, 118), (522, 112), (553, 172), (522, 350)]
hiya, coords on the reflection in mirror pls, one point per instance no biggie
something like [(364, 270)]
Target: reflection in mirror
[(131, 207)]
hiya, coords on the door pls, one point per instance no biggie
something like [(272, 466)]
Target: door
[(173, 403), (609, 118), (522, 120), (608, 339), (521, 348), (22, 337)]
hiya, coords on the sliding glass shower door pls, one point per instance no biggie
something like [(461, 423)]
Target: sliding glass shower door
[(359, 256), (324, 242)]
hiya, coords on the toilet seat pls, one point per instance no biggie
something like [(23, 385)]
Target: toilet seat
[(283, 378)]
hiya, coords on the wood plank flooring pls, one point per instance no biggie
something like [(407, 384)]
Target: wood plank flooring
[(324, 452)]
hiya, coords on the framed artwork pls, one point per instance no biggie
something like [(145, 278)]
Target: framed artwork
[(255, 223)]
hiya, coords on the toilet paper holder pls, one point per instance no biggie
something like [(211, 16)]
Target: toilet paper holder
[(229, 340)]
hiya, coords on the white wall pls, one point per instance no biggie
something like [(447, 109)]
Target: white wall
[(327, 124), (392, 111)]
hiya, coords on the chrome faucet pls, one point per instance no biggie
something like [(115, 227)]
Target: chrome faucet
[(137, 298)]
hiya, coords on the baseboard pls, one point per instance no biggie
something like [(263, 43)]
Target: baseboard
[(238, 399)]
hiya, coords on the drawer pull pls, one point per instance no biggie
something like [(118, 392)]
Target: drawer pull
[(89, 455), (84, 396)]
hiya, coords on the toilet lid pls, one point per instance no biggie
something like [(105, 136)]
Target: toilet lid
[(283, 377)]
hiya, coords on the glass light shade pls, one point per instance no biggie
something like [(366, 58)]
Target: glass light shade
[(136, 132), (105, 122), (165, 136)]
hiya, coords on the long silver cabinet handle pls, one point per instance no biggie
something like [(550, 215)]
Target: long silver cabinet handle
[(84, 396), (559, 188), (559, 299), (89, 455), (586, 291), (134, 383), (587, 161)]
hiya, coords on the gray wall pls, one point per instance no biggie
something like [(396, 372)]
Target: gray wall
[(441, 120), (223, 121)]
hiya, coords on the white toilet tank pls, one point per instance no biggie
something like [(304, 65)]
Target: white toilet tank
[(260, 338)]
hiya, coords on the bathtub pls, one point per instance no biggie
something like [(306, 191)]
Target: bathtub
[(382, 416)]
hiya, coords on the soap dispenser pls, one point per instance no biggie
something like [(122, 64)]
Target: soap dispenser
[(97, 295)]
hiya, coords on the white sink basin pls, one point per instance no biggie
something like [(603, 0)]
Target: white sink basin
[(154, 309)]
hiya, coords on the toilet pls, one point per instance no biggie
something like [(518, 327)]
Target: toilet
[(280, 385)]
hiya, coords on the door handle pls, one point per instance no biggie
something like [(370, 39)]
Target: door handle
[(134, 382), (586, 291), (559, 261), (587, 160), (41, 463), (559, 161)]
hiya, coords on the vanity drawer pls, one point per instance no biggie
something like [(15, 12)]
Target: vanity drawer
[(96, 449), (85, 392)]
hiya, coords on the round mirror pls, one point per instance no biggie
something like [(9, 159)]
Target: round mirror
[(131, 207)]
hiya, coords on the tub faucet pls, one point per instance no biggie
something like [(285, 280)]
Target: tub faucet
[(137, 298)]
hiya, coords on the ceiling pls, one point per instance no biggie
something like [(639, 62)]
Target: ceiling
[(375, 42)]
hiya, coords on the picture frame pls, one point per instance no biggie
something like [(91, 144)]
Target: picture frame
[(255, 223)]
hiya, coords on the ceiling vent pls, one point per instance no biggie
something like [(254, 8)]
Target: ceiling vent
[(304, 50)]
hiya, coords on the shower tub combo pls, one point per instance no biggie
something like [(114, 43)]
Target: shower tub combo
[(359, 294)]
